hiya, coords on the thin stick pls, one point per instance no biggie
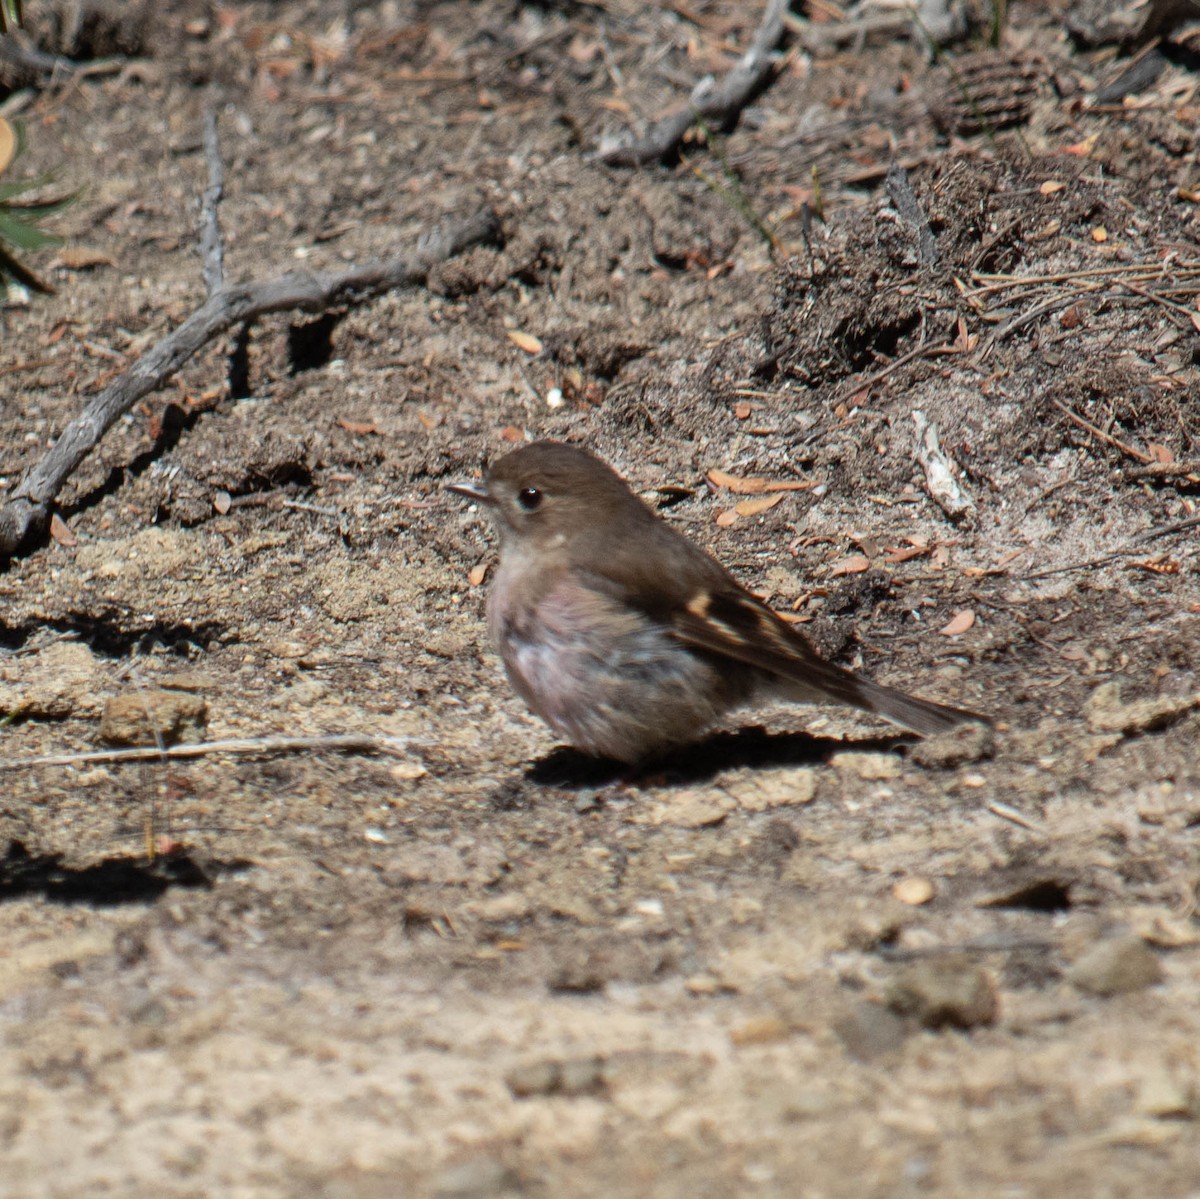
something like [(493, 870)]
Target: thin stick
[(28, 509), (997, 282), (924, 350), (718, 105), (1189, 470), (363, 743), (211, 246), (1178, 526), (1145, 459), (1006, 813)]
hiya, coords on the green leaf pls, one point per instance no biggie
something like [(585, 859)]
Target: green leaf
[(10, 14), (16, 232)]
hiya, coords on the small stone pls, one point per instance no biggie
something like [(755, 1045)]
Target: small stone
[(582, 1076), (500, 909), (870, 1031), (948, 992), (1164, 928), (763, 790), (686, 808), (533, 1078), (914, 891), (870, 767), (1163, 1097), (148, 717), (60, 681), (1106, 712), (759, 1030), (956, 747), (1115, 967), (477, 1178), (575, 1076), (805, 1103), (404, 772)]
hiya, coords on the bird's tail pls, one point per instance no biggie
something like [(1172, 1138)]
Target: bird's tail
[(824, 681)]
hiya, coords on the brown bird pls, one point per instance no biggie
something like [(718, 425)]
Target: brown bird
[(624, 636)]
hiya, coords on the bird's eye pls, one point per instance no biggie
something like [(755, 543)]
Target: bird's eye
[(529, 498)]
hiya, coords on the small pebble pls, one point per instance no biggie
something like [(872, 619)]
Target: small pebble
[(870, 1031), (955, 747), (1115, 967), (947, 992), (914, 891)]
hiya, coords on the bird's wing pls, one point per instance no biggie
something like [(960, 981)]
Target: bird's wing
[(736, 625), (675, 582)]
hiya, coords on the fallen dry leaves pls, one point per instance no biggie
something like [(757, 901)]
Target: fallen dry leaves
[(525, 341), (754, 486), (855, 564), (755, 506), (61, 531), (958, 624)]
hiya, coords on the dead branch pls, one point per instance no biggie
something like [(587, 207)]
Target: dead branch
[(716, 105), (211, 247), (1138, 455), (345, 743), (28, 509), (1189, 470)]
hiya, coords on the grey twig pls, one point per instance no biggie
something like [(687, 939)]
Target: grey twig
[(28, 508), (715, 105), (17, 52), (211, 246), (899, 189), (345, 743)]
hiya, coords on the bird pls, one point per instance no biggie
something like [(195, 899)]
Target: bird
[(626, 637)]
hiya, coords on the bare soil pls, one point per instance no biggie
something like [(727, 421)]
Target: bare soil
[(807, 957)]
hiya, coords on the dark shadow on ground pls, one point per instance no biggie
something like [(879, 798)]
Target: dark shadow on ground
[(568, 768), (108, 883)]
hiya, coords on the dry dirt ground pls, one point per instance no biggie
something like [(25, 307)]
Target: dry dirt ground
[(807, 958)]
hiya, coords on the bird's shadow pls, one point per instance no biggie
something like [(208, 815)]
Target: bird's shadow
[(571, 769)]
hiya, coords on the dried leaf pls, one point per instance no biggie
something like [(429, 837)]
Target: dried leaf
[(525, 341), (741, 486), (8, 144), (727, 518), (1160, 453), (81, 258), (754, 507), (855, 564), (61, 531), (903, 555), (356, 426), (1051, 186), (958, 624)]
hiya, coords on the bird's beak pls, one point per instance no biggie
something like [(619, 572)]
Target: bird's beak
[(473, 491)]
